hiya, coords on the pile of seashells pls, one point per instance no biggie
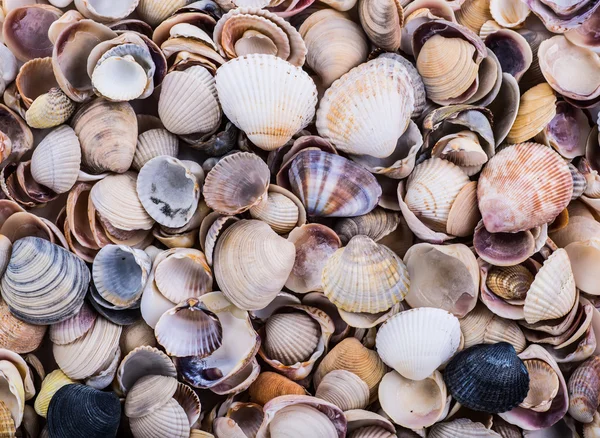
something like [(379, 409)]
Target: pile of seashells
[(300, 218)]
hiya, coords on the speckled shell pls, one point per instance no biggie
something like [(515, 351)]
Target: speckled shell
[(523, 186), (584, 390), (365, 277)]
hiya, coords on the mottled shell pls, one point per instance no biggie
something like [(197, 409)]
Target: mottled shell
[(50, 109), (584, 392)]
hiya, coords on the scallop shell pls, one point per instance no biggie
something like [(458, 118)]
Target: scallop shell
[(416, 342), (584, 255), (332, 186), (148, 394), (140, 362), (16, 335), (543, 385), (365, 277), (119, 78), (507, 188), (367, 424), (238, 182), (269, 385), (155, 11), (344, 389), (50, 109), (267, 98), (169, 420), (355, 113), (153, 143), (502, 330), (265, 262), (189, 329), (552, 293), (189, 401), (60, 280), (51, 383), (510, 282), (536, 109), (584, 390), (71, 329)]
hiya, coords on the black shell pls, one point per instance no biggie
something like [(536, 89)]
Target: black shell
[(488, 378), (82, 411)]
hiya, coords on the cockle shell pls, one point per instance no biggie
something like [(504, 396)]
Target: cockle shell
[(543, 385), (155, 11), (512, 51), (367, 424), (536, 109), (416, 342), (267, 98), (143, 361), (51, 383), (344, 389), (281, 209), (105, 11), (50, 109), (153, 143), (71, 329), (507, 187), (382, 21), (584, 392), (461, 427), (353, 108), (168, 420), (26, 30), (290, 338), (136, 335), (365, 277), (148, 394), (17, 335), (510, 282), (509, 13)]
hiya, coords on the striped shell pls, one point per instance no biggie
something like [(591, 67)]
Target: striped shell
[(291, 337)]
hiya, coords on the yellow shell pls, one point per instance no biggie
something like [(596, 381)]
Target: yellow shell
[(52, 383), (536, 110), (50, 109)]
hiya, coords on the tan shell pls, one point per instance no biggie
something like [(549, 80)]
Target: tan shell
[(344, 389), (153, 143), (17, 335), (269, 385), (509, 13), (136, 335), (155, 11), (503, 330), (252, 263), (7, 424), (50, 109), (35, 78), (543, 385), (583, 256), (536, 110), (281, 209), (51, 383), (290, 337), (473, 14), (509, 282), (148, 394), (382, 21), (365, 277)]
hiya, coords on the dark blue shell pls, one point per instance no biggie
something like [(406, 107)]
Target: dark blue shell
[(488, 378)]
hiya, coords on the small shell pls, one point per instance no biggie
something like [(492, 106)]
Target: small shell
[(7, 424), (382, 22), (290, 338), (344, 389), (153, 143), (50, 109), (155, 11), (536, 110), (148, 394), (509, 13), (119, 78), (267, 98), (503, 249), (16, 335), (543, 385), (510, 282), (103, 11), (376, 224), (136, 335), (281, 209), (269, 385), (584, 392), (51, 383), (502, 330), (248, 417), (512, 51), (35, 78), (365, 277), (416, 342), (169, 420), (73, 328), (143, 361), (462, 427)]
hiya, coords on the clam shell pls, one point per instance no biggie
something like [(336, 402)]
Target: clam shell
[(365, 277), (6, 251), (536, 109), (120, 274), (506, 187), (75, 408), (188, 102), (512, 51), (119, 78), (247, 416), (189, 329), (155, 11), (281, 209), (461, 427), (376, 224), (210, 230), (71, 329), (584, 390), (473, 14), (584, 255), (509, 13), (503, 249), (416, 342), (488, 378), (43, 283), (23, 224), (169, 420), (543, 385), (473, 325), (136, 335), (148, 394), (50, 109), (367, 424), (13, 394), (103, 11), (355, 113), (265, 262), (510, 282), (140, 362), (267, 98), (291, 337), (153, 143), (552, 293), (238, 182), (16, 335), (16, 130), (26, 30), (381, 22), (269, 385), (344, 389), (51, 383), (332, 186), (502, 330)]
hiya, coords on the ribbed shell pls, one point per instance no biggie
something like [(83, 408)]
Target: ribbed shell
[(376, 224), (351, 355), (188, 102), (344, 389), (543, 385), (149, 394), (381, 21), (73, 328), (291, 337), (298, 417), (155, 11), (189, 330), (584, 390), (523, 186), (51, 383), (183, 273), (236, 183), (365, 277), (367, 110), (463, 428), (77, 408), (44, 283), (169, 420), (431, 190), (269, 385), (552, 293), (143, 361), (473, 13), (56, 160), (7, 424), (416, 342), (153, 143), (509, 282), (16, 335), (503, 330), (248, 416), (267, 98), (536, 109), (279, 211), (474, 323), (252, 263), (488, 378), (50, 109), (509, 13)]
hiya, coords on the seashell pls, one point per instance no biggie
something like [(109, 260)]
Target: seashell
[(16, 335), (23, 224), (120, 274), (335, 44), (136, 335), (445, 277), (35, 78), (189, 401), (62, 280), (510, 282), (552, 293), (189, 329), (148, 394), (107, 134), (473, 14), (71, 329), (473, 325), (65, 20), (344, 389), (26, 31), (291, 338), (155, 11), (512, 50), (258, 74), (331, 186), (168, 420), (509, 13), (503, 249), (353, 107), (365, 424), (115, 199), (413, 345), (75, 408), (153, 143), (119, 78), (536, 110), (13, 394), (281, 209), (6, 251), (376, 224), (50, 385), (427, 399), (502, 330), (7, 424), (50, 109), (268, 261), (462, 149), (269, 385), (461, 427), (9, 66), (227, 427), (505, 197), (351, 355), (247, 416), (583, 255), (143, 361), (238, 182), (365, 277), (584, 395), (488, 378), (211, 227), (105, 11), (16, 138), (566, 134), (382, 22), (188, 102), (543, 385)]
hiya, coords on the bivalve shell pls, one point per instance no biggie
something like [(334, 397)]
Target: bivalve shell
[(584, 390), (148, 394), (462, 427), (269, 385), (537, 108), (17, 335), (153, 143), (50, 109), (344, 389), (50, 385)]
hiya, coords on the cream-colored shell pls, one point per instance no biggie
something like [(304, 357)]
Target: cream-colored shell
[(153, 143), (50, 109), (148, 394), (168, 420), (344, 389), (509, 13), (536, 109)]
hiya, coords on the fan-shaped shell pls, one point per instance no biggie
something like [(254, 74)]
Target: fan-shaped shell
[(44, 283), (153, 143), (344, 389), (509, 282), (512, 199), (584, 390), (281, 209), (143, 361), (148, 394), (536, 109), (368, 109), (382, 21), (365, 277), (543, 385), (71, 329), (461, 427), (17, 335), (169, 420), (50, 109), (51, 383), (267, 98), (291, 337), (509, 13), (416, 342)]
